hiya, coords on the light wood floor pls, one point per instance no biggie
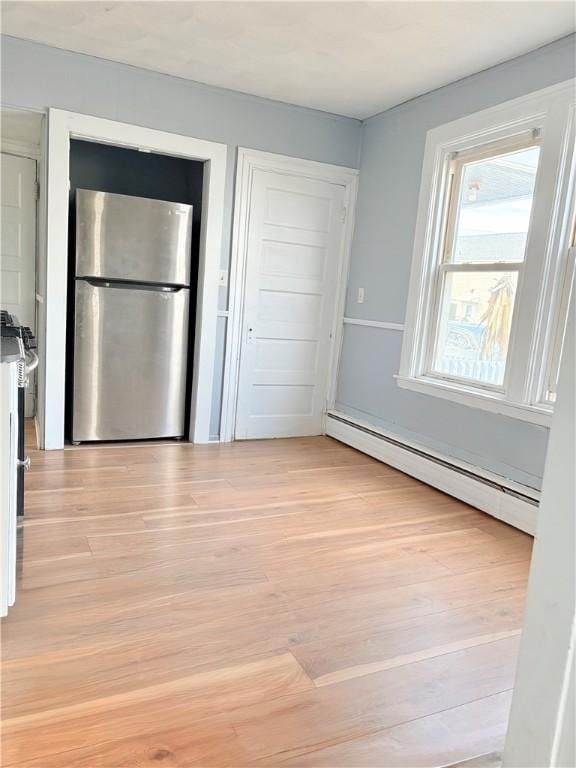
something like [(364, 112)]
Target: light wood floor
[(279, 603)]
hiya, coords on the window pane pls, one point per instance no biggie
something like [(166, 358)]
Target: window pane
[(474, 326), (494, 207)]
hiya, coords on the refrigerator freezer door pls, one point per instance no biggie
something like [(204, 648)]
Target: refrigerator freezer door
[(119, 237), (130, 351)]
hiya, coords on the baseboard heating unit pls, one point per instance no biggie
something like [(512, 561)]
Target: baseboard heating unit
[(506, 500)]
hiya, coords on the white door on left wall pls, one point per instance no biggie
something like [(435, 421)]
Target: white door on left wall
[(18, 244)]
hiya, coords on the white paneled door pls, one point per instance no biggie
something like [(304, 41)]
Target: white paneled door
[(295, 234), (18, 243)]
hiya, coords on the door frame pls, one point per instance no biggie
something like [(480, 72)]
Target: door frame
[(62, 127), (32, 151), (541, 718), (24, 152), (249, 161)]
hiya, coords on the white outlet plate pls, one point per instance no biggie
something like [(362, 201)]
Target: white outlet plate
[(223, 278), (360, 299)]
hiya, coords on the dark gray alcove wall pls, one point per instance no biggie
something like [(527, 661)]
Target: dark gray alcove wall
[(130, 172)]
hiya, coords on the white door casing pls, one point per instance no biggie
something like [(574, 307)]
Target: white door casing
[(53, 257), (18, 245), (294, 243), (541, 728)]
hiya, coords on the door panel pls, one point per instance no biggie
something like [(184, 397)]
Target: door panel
[(293, 259), (297, 210), (18, 245), (129, 362), (294, 250)]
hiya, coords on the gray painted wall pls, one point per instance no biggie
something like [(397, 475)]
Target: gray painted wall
[(390, 171), (37, 77)]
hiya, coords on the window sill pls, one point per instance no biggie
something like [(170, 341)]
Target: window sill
[(487, 401)]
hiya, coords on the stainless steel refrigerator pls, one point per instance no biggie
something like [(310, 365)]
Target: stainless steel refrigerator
[(131, 312)]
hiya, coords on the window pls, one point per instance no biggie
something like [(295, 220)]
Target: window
[(492, 264), (488, 218)]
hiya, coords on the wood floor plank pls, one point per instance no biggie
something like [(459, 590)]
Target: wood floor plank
[(151, 707), (287, 602), (436, 740), (373, 610), (216, 745), (498, 550), (294, 725), (401, 643), (38, 639)]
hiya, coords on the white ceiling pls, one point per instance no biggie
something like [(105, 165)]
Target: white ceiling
[(351, 58)]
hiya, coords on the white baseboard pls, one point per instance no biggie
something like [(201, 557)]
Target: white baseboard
[(479, 493)]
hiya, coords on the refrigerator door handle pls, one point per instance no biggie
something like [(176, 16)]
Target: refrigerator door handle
[(99, 282)]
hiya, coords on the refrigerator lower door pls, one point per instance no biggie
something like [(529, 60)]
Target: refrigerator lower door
[(130, 352)]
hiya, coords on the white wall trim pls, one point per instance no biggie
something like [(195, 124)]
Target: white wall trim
[(62, 126), (487, 400), (373, 323), (249, 161), (13, 147), (481, 493)]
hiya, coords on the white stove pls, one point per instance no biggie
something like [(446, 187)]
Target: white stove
[(17, 359)]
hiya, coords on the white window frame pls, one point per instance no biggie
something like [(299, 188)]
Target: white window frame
[(445, 263), (540, 308)]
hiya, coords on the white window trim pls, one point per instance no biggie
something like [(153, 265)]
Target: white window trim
[(551, 113)]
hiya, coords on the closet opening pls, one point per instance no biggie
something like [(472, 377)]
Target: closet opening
[(134, 230)]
